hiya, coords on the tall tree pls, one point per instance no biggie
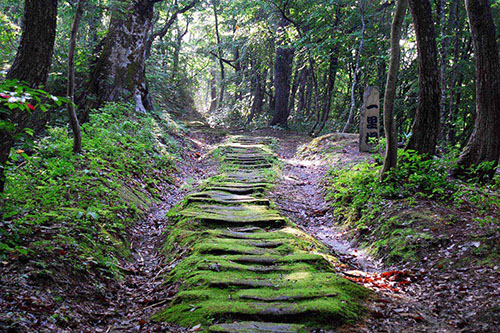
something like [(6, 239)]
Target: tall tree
[(73, 119), (426, 126), (31, 65), (120, 70), (484, 143), (282, 74), (219, 54), (350, 117), (391, 153)]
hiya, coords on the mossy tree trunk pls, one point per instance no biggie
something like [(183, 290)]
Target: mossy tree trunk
[(31, 65), (120, 70), (484, 143)]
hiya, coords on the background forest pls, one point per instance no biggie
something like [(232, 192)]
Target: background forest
[(104, 105)]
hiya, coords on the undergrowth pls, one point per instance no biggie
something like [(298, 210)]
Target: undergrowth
[(59, 208), (389, 215)]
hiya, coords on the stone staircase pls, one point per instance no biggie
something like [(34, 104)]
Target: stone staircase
[(244, 267)]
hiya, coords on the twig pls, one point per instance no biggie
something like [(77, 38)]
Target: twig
[(159, 303)]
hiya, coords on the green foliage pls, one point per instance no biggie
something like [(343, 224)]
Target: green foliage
[(77, 207), (368, 204)]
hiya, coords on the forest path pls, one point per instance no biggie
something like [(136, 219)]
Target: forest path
[(249, 269)]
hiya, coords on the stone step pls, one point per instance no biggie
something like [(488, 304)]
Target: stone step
[(212, 196), (246, 283), (274, 260), (234, 215), (232, 266), (284, 298), (255, 326)]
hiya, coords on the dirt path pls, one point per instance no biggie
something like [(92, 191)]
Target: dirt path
[(436, 299)]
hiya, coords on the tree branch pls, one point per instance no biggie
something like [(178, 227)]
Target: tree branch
[(226, 61)]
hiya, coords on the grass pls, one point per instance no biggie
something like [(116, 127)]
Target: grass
[(59, 208)]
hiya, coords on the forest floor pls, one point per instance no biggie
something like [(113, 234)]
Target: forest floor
[(410, 296), (434, 297)]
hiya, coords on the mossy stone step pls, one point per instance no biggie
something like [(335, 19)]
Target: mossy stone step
[(225, 197), (233, 215), (274, 260), (233, 266), (249, 157), (221, 249), (237, 246), (256, 326), (247, 283), (257, 236), (284, 298), (253, 167)]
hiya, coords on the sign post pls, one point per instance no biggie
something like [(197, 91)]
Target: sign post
[(369, 129)]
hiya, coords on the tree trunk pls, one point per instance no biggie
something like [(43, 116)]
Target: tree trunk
[(332, 74), (213, 93), (219, 52), (177, 49), (295, 85), (258, 95), (426, 126), (303, 79), (120, 69), (73, 119), (282, 76), (484, 143), (356, 70), (391, 152), (31, 65)]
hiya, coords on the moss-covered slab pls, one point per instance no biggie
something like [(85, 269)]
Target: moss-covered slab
[(233, 215), (256, 326), (224, 197)]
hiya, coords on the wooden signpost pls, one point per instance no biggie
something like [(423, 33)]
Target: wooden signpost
[(369, 132)]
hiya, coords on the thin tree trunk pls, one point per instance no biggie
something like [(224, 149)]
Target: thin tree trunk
[(213, 93), (391, 152), (484, 142), (219, 49), (73, 119), (295, 85), (356, 69), (426, 126), (332, 74)]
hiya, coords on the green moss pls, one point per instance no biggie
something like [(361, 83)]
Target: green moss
[(255, 264)]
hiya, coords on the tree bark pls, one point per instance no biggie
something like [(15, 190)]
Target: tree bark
[(219, 52), (426, 126), (120, 70), (258, 94), (73, 119), (484, 142), (177, 50), (356, 70), (282, 76), (332, 75), (213, 92), (31, 65), (391, 152)]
